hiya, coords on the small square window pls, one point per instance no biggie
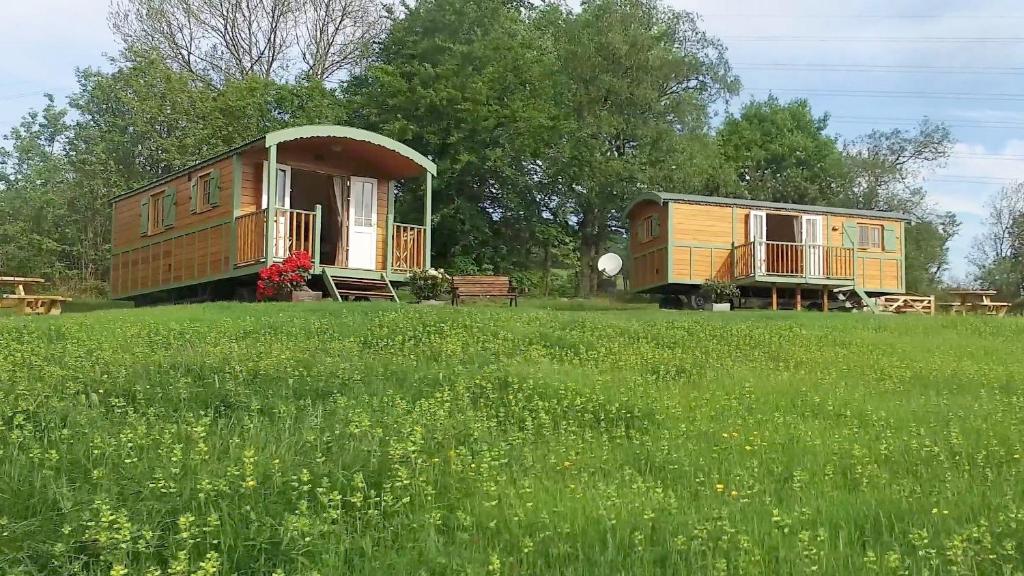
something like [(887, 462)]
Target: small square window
[(869, 236)]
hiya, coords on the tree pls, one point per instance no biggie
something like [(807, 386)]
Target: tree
[(885, 167), (635, 85), (222, 40), (468, 83), (998, 254), (884, 170), (781, 153)]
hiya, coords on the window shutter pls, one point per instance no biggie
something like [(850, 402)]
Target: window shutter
[(195, 196), (170, 201), (889, 241), (144, 216), (656, 226), (215, 188), (849, 234)]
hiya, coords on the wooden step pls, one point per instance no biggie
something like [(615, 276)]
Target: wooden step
[(342, 287)]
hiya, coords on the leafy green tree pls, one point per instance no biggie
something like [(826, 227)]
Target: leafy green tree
[(34, 185), (780, 152), (884, 170), (998, 254), (468, 82), (636, 82)]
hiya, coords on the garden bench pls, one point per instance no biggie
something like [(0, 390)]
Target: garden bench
[(483, 287)]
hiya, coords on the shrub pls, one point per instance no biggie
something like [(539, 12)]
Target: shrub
[(428, 284), (286, 276), (720, 292)]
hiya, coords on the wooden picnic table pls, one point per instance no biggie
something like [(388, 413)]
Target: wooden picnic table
[(25, 303), (977, 300)]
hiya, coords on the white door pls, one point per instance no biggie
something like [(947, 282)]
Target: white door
[(283, 199), (814, 240), (362, 224), (758, 232)]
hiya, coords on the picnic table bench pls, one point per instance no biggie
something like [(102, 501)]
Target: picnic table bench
[(979, 301), (29, 304), (483, 287)]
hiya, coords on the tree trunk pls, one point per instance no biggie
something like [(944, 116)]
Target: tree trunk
[(591, 239), (547, 271)]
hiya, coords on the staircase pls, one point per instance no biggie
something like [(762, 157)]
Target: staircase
[(855, 298), (342, 288)]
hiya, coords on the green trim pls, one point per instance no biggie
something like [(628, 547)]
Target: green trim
[(670, 227), (769, 279), (332, 290), (646, 197), (394, 295), (332, 131), (230, 274), (316, 233), (236, 206), (732, 245), (271, 204), (903, 257), (706, 245), (878, 255), (389, 233), (236, 185), (694, 199), (159, 239), (427, 220), (869, 302)]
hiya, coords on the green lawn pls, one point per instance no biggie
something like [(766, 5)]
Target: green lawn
[(383, 439)]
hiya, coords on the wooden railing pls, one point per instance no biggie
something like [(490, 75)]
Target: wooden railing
[(294, 231), (409, 248), (764, 258), (743, 260), (839, 262), (783, 258), (251, 244)]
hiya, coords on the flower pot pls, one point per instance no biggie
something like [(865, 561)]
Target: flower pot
[(303, 296), (722, 307)]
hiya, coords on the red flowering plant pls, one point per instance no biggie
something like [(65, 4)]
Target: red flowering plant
[(286, 276)]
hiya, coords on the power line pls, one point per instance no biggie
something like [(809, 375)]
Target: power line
[(917, 120), (890, 69), (1001, 97), (886, 39), (863, 16)]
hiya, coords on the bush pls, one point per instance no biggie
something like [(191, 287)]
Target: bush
[(429, 284), (720, 292)]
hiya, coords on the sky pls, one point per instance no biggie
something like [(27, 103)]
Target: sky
[(870, 64)]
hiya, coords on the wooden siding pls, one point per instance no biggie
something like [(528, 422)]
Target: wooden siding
[(649, 260), (703, 237), (196, 247)]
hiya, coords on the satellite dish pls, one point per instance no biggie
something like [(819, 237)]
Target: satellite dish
[(610, 264)]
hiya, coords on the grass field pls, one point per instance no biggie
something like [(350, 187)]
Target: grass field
[(382, 439)]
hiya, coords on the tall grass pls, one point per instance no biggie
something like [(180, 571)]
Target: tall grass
[(383, 439)]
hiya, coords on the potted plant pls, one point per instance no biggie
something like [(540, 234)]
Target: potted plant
[(428, 285), (721, 294), (286, 280)]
